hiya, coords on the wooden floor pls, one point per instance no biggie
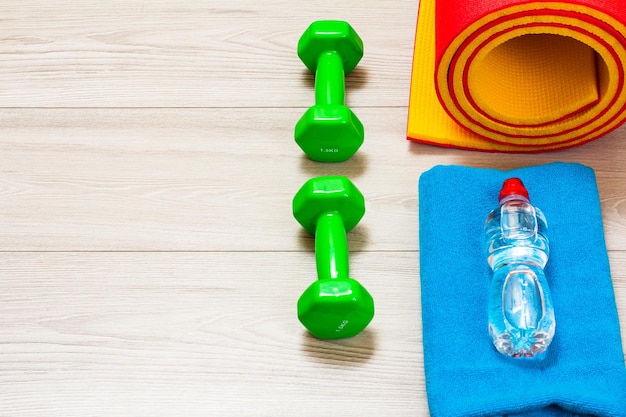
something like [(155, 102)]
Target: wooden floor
[(149, 260)]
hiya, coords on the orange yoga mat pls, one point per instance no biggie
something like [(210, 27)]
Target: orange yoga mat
[(517, 76)]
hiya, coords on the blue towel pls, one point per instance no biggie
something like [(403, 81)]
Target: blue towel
[(583, 373)]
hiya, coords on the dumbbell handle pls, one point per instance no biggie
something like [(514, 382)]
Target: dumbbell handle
[(331, 247), (329, 79)]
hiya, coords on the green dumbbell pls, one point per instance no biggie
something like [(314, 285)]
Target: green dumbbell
[(329, 131), (335, 306)]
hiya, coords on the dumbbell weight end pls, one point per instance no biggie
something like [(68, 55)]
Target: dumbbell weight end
[(339, 317), (329, 133)]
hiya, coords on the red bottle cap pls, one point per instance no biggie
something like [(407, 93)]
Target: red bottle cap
[(513, 186)]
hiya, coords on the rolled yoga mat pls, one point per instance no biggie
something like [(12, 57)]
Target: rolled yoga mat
[(517, 76)]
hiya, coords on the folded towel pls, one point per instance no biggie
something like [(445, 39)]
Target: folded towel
[(517, 75), (583, 371)]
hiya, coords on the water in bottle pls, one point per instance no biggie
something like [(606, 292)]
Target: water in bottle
[(520, 311)]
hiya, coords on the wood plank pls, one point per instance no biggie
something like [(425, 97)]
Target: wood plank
[(155, 54), (164, 334), (197, 179)]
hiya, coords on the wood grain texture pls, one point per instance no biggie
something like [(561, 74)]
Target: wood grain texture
[(182, 334), (184, 179), (149, 260), (190, 54)]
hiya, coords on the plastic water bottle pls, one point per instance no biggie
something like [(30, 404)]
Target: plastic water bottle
[(521, 315)]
